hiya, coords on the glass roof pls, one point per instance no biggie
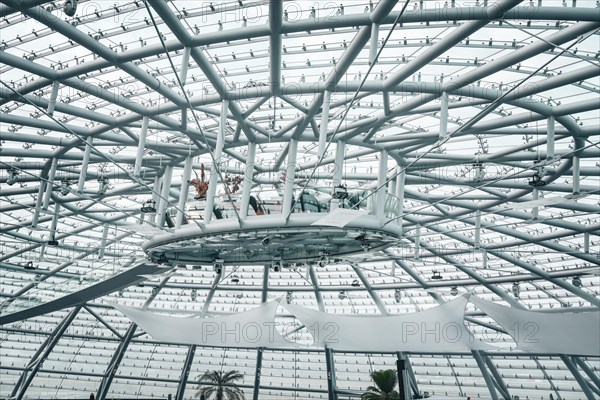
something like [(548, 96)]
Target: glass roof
[(472, 127)]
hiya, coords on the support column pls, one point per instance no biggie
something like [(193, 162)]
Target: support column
[(497, 377), (288, 189), (400, 180), (477, 228), (409, 372), (183, 192), (139, 157), (38, 204), (373, 45), (257, 373), (185, 373), (337, 172), (54, 224), (417, 254), (103, 242), (155, 196), (50, 183), (164, 195), (40, 356), (84, 163), (53, 97), (331, 386), (247, 184), (576, 175), (589, 372), (443, 116), (185, 65), (115, 361), (550, 140), (535, 211), (382, 186), (486, 376), (580, 380), (324, 123), (315, 282), (214, 172), (403, 388)]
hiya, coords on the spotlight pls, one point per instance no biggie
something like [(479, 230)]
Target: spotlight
[(266, 241), (436, 275), (342, 295), (516, 289), (577, 281), (154, 291), (453, 291), (149, 207), (288, 297), (276, 265), (29, 265), (70, 7), (194, 294), (13, 177), (323, 260), (536, 181), (65, 188), (355, 283), (162, 259), (218, 266), (397, 295), (235, 279), (340, 192)]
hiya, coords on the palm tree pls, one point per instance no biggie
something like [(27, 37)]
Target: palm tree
[(220, 385), (385, 383)]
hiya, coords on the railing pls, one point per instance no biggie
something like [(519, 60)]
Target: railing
[(307, 203)]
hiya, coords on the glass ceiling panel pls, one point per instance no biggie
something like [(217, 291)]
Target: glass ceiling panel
[(493, 192)]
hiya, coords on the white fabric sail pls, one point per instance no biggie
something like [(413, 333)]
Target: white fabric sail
[(250, 329), (439, 329), (564, 333)]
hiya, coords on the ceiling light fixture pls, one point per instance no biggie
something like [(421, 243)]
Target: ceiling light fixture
[(342, 295), (65, 188), (70, 7), (436, 276), (149, 207), (516, 289), (13, 176), (218, 266)]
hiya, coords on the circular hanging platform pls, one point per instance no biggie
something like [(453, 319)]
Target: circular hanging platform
[(266, 239)]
